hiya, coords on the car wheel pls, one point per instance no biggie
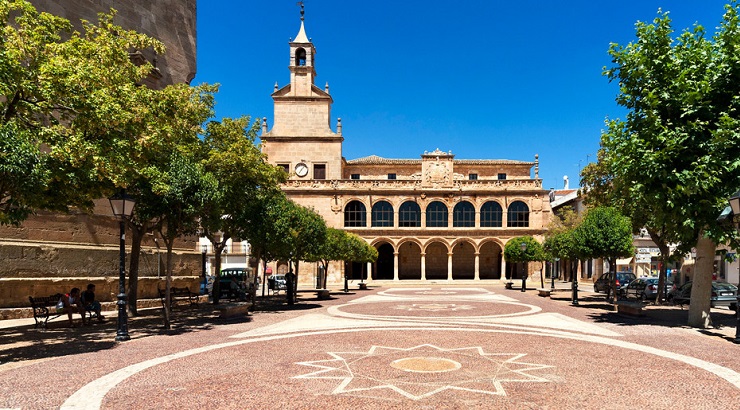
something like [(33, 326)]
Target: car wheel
[(733, 307), (643, 297)]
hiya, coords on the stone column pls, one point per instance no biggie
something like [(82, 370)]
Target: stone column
[(503, 266), (477, 266), (449, 266), (423, 266), (395, 265)]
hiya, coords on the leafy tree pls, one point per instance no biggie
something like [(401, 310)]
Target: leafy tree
[(180, 191), (298, 233), (604, 233), (559, 241), (674, 156), (77, 95), (334, 248), (241, 171), (22, 174), (513, 251)]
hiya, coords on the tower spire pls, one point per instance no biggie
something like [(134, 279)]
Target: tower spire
[(300, 3)]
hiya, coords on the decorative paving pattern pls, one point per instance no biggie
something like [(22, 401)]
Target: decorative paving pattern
[(433, 307), (422, 371)]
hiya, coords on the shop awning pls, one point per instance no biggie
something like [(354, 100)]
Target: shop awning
[(624, 261)]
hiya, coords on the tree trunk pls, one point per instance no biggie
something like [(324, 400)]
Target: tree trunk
[(217, 250), (137, 235), (664, 257), (168, 283), (701, 289)]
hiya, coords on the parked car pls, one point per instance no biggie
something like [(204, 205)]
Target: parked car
[(276, 282), (605, 280), (645, 288), (723, 294), (244, 279)]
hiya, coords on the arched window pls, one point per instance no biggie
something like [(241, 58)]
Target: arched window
[(300, 57), (382, 214), (518, 215), (436, 215), (491, 215), (463, 215), (409, 215), (355, 214)]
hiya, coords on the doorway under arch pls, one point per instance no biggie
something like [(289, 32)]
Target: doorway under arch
[(489, 264), (436, 261), (463, 261), (409, 261), (383, 268)]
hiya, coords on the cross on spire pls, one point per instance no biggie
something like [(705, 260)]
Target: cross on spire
[(300, 3)]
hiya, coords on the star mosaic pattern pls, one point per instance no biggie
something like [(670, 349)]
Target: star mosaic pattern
[(422, 371), (433, 307)]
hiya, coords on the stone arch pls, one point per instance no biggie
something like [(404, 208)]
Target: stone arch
[(409, 215), (355, 214), (463, 215), (383, 268), (409, 259), (517, 215), (491, 214), (490, 256), (437, 214), (300, 56), (463, 259), (382, 214), (436, 252)]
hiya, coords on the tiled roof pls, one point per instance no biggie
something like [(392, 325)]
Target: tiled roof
[(376, 160)]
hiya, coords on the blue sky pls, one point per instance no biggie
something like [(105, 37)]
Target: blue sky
[(484, 79)]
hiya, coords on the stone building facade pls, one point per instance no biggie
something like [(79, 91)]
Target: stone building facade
[(52, 252), (433, 218)]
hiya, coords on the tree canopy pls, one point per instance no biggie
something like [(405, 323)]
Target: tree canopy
[(673, 160)]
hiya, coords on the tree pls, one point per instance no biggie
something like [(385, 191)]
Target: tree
[(334, 248), (515, 251), (23, 174), (674, 156), (604, 233), (559, 241), (241, 171), (181, 190), (76, 94), (298, 233)]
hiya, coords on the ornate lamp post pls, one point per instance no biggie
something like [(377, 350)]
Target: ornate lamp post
[(735, 205), (523, 246), (123, 207), (574, 287), (203, 252)]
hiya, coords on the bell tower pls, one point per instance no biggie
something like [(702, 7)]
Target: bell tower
[(301, 139)]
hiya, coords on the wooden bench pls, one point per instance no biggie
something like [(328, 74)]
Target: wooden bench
[(543, 292), (41, 309), (178, 294), (630, 308)]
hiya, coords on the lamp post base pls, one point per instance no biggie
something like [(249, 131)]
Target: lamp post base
[(122, 332)]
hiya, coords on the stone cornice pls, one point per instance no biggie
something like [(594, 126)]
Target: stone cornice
[(398, 186)]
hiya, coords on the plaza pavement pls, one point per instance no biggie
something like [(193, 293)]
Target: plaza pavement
[(399, 347)]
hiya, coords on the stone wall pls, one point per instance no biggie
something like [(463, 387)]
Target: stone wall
[(170, 21)]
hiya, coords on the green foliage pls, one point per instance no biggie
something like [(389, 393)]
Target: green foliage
[(513, 251), (603, 233), (672, 163), (22, 174)]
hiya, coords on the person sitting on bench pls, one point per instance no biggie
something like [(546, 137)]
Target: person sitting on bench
[(72, 302), (89, 302)]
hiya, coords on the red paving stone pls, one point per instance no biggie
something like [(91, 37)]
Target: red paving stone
[(442, 347)]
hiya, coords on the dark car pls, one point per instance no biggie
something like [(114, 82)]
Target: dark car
[(723, 294), (243, 278), (645, 288), (604, 282)]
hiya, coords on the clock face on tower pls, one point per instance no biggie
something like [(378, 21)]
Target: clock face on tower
[(301, 169)]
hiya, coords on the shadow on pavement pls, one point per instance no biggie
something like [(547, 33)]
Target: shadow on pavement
[(25, 343)]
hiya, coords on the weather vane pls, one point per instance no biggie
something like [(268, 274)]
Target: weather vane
[(300, 3)]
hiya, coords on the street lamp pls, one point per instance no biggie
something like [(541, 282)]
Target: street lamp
[(523, 246), (123, 207), (735, 205), (203, 252)]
